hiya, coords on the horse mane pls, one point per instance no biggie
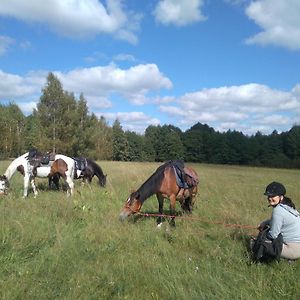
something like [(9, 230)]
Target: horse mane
[(151, 185)]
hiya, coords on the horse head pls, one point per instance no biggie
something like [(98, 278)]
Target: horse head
[(102, 180), (132, 206), (4, 185)]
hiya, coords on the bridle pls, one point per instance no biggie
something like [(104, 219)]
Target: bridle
[(132, 210)]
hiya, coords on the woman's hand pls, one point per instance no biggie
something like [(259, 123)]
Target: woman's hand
[(262, 226)]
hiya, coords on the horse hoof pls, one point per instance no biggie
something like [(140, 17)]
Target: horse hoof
[(159, 225)]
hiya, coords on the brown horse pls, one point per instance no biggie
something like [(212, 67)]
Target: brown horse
[(163, 183)]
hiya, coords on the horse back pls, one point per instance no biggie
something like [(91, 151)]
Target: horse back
[(169, 185)]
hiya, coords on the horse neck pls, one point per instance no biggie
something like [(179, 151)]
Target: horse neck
[(96, 168), (151, 185), (10, 171)]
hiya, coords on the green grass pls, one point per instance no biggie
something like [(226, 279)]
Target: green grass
[(54, 247)]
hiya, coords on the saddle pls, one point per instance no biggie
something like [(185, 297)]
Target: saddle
[(184, 177), (80, 166), (37, 159), (80, 163)]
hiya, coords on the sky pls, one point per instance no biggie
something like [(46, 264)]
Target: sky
[(230, 64)]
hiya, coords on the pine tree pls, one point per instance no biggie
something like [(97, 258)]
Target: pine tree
[(120, 143), (57, 112)]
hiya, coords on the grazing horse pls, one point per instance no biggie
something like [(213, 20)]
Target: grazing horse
[(163, 182), (87, 169), (62, 165)]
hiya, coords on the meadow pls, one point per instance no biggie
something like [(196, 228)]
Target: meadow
[(54, 247)]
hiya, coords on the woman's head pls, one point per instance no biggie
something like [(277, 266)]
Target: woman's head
[(275, 192), (275, 189)]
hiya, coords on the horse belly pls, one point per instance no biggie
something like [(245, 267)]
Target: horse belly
[(43, 171)]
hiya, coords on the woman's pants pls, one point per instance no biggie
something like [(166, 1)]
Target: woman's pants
[(290, 251)]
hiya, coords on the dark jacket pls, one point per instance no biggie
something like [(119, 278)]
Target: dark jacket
[(266, 250)]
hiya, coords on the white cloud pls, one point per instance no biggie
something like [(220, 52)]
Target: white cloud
[(5, 42), (77, 18), (179, 12), (279, 20), (133, 121), (27, 107), (98, 84), (133, 83), (246, 106), (15, 86), (124, 57)]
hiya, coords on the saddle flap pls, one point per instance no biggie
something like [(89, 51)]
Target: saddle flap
[(80, 163)]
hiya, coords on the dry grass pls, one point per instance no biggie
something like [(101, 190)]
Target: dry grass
[(53, 247)]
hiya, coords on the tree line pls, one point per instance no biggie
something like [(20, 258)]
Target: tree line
[(63, 124)]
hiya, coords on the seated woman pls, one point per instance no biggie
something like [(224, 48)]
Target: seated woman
[(284, 222)]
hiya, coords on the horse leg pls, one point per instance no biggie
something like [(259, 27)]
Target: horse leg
[(160, 199), (32, 181), (70, 185), (172, 209), (26, 184), (53, 180)]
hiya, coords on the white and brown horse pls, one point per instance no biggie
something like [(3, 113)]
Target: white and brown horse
[(62, 165)]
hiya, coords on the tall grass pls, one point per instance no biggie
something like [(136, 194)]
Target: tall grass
[(54, 247)]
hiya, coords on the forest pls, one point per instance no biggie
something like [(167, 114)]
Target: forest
[(63, 124)]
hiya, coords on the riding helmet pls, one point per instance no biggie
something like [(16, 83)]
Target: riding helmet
[(275, 189)]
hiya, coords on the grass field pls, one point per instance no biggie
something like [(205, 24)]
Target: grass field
[(54, 247)]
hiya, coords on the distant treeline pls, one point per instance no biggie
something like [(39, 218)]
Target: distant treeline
[(63, 124)]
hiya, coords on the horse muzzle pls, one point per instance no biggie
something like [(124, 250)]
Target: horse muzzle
[(124, 214)]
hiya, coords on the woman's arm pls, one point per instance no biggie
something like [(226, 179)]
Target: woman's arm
[(275, 223), (263, 225)]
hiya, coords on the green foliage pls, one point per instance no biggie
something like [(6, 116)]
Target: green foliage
[(54, 247), (63, 124), (136, 146), (120, 143), (12, 123), (99, 139)]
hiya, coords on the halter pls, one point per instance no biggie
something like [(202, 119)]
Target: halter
[(133, 211)]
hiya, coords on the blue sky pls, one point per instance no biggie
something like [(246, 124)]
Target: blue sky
[(232, 64)]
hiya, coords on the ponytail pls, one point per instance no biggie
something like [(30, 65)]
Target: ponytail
[(288, 201)]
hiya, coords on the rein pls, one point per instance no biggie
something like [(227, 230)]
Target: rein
[(196, 219)]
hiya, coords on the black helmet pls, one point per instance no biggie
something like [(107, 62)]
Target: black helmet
[(275, 189)]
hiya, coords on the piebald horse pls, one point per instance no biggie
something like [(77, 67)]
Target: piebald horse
[(163, 183), (85, 169), (62, 165)]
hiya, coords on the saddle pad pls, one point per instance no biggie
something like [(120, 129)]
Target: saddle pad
[(179, 178)]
